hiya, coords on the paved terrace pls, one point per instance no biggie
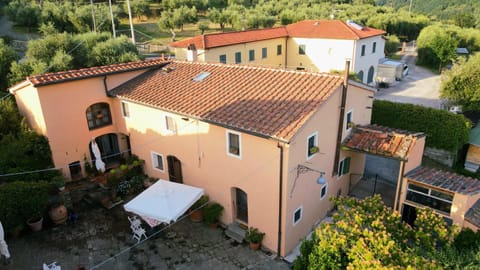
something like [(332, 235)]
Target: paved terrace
[(100, 234)]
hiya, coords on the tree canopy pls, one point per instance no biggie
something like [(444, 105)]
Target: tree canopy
[(7, 56), (368, 235), (461, 84)]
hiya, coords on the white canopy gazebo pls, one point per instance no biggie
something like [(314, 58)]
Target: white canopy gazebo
[(164, 202)]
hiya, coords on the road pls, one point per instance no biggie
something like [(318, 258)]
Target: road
[(421, 86)]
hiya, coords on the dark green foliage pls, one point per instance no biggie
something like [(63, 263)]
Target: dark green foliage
[(21, 200), (467, 239), (212, 212), (253, 235), (7, 56), (392, 44), (444, 130)]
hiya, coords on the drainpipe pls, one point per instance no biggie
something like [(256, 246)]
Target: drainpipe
[(286, 62), (342, 116), (280, 196), (105, 85), (396, 204)]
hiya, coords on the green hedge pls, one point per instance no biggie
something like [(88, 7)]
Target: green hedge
[(20, 201), (444, 130)]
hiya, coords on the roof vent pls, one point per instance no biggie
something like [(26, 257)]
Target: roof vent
[(167, 69), (355, 25), (200, 77)]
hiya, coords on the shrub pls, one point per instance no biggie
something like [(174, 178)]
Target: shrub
[(21, 200), (212, 212), (444, 130), (200, 202), (253, 235)]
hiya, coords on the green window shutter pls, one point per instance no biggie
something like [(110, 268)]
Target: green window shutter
[(346, 165)]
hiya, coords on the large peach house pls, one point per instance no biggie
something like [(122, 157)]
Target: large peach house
[(312, 45), (264, 143)]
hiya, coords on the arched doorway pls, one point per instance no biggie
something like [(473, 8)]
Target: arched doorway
[(371, 70), (360, 75), (174, 169), (109, 149), (241, 206)]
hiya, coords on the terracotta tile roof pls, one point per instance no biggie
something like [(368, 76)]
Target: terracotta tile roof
[(70, 75), (445, 180), (382, 141), (473, 214), (223, 39), (265, 102), (328, 29)]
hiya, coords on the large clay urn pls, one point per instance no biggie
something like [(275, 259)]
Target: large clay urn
[(59, 214)]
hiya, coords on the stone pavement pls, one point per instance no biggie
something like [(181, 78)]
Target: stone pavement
[(102, 239)]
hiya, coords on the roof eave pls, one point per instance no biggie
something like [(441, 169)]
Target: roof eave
[(19, 86)]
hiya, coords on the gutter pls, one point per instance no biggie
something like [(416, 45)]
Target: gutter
[(341, 118), (396, 204), (105, 87), (280, 196)]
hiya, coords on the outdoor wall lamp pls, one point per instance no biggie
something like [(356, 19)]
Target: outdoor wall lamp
[(301, 169)]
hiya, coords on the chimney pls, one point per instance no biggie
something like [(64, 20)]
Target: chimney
[(192, 55)]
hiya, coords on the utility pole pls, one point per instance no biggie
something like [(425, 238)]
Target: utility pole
[(113, 21), (131, 21), (410, 7), (93, 17)]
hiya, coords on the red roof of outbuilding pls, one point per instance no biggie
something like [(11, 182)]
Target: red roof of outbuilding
[(382, 141)]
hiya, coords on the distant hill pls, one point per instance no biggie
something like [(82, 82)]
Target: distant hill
[(441, 9)]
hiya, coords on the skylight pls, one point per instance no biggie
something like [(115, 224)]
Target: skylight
[(200, 77)]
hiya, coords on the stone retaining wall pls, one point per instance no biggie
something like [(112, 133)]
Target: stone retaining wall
[(439, 155)]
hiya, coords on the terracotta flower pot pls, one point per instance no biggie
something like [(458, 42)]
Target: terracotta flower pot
[(58, 214), (35, 223), (254, 246), (196, 216)]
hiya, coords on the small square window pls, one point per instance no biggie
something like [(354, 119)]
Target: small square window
[(349, 122), (223, 58), (302, 49), (279, 49), (251, 55), (374, 47), (344, 166), (238, 57), (363, 50), (125, 109), (264, 52), (312, 145), (297, 215), (157, 161), (323, 192), (170, 124), (233, 144)]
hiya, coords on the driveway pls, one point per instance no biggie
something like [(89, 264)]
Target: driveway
[(102, 239), (421, 86)]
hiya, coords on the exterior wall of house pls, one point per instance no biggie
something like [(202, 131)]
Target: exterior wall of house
[(62, 107), (202, 151), (29, 106), (212, 55), (321, 55), (469, 225), (460, 204), (370, 59), (301, 190), (416, 154)]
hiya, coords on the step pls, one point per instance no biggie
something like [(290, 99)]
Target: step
[(235, 232)]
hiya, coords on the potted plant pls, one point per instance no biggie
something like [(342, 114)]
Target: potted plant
[(313, 150), (195, 212), (35, 222), (211, 213), (59, 183), (254, 237)]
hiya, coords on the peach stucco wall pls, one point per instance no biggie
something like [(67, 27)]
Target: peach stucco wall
[(202, 150), (63, 107), (305, 192), (415, 156)]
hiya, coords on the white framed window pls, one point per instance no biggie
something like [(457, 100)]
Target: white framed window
[(170, 124), (344, 166), (125, 109), (234, 144), (157, 161), (312, 145), (349, 120), (323, 191), (297, 215)]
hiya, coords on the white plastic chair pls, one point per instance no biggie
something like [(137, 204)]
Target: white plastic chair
[(134, 222), (138, 233), (52, 266)]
